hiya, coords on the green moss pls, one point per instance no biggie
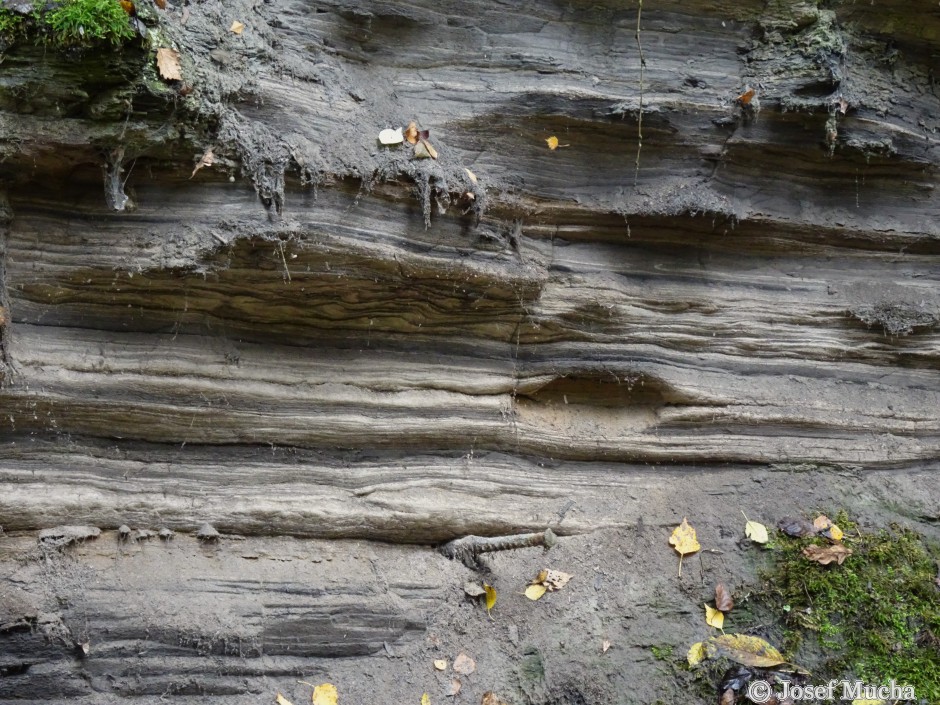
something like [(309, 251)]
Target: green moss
[(662, 653), (874, 618), (68, 24)]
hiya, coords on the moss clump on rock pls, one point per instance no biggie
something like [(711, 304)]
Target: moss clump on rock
[(68, 24)]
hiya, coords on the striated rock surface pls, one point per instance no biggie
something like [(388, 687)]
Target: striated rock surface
[(699, 299)]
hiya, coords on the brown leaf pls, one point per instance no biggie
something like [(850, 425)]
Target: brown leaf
[(168, 62), (423, 150), (464, 665), (3, 316), (746, 97), (207, 159), (723, 599), (728, 697), (490, 698), (842, 104), (454, 687), (796, 527), (128, 7), (160, 3), (824, 555), (411, 133)]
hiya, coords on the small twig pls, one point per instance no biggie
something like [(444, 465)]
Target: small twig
[(469, 548), (284, 260)]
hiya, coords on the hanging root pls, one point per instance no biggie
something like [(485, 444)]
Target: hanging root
[(468, 549), (639, 116)]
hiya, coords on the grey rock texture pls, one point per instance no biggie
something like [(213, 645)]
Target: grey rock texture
[(322, 346)]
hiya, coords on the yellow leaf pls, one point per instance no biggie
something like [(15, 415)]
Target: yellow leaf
[(696, 654), (425, 699), (859, 701), (714, 618), (744, 649), (441, 664), (552, 142), (168, 62), (535, 592), (281, 700), (490, 596), (540, 578), (754, 531), (683, 539), (325, 694), (237, 27)]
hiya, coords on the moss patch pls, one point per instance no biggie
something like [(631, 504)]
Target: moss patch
[(874, 618), (70, 23)]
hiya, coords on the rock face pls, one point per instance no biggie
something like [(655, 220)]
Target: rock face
[(729, 266)]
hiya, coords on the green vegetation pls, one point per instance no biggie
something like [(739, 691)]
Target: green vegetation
[(874, 618), (70, 23), (662, 653)]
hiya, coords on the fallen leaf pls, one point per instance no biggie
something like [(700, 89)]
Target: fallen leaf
[(834, 533), (441, 664), (454, 687), (723, 599), (729, 697), (755, 531), (237, 27), (464, 665), (423, 150), (411, 133), (281, 700), (325, 694), (824, 555), (160, 3), (490, 596), (490, 698), (746, 97), (714, 618), (744, 649), (390, 136), (168, 62), (696, 654), (859, 701), (3, 316), (822, 522), (552, 142), (535, 592), (827, 528), (683, 539), (473, 177), (473, 590), (207, 159), (843, 104), (605, 645), (796, 527), (128, 7), (425, 699)]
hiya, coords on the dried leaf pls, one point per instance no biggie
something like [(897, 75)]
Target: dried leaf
[(552, 142), (755, 531), (842, 104), (683, 539), (425, 699), (605, 645), (555, 580), (464, 665), (490, 698), (729, 697), (411, 133), (207, 159), (423, 150), (540, 578), (827, 528), (325, 694), (723, 599), (128, 7), (473, 590), (834, 533), (441, 664), (454, 687), (535, 592), (796, 527), (744, 649), (473, 177), (281, 700), (390, 136), (696, 654), (822, 522), (824, 555), (160, 3), (3, 316), (714, 618), (746, 97), (168, 63), (237, 27), (490, 596)]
